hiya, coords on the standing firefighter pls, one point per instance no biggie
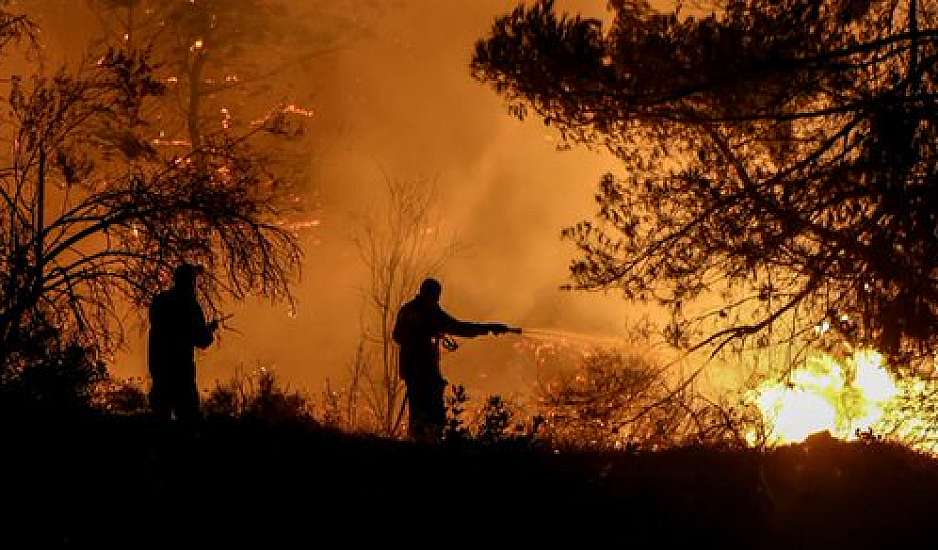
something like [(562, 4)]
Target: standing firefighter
[(177, 327), (420, 328)]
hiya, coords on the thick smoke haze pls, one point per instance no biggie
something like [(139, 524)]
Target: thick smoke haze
[(405, 106), (399, 101)]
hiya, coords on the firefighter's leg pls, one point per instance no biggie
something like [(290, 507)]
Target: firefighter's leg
[(436, 408), (187, 402), (420, 399), (160, 401), (414, 410), (411, 415)]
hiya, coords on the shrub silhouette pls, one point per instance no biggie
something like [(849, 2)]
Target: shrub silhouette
[(455, 428), (496, 417), (61, 380), (616, 400), (121, 396), (258, 396)]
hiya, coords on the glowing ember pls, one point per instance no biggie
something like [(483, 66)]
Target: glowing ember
[(297, 110), (302, 224), (171, 142)]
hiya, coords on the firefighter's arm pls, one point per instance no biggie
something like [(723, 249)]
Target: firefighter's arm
[(202, 332), (467, 329), (501, 328), (447, 324)]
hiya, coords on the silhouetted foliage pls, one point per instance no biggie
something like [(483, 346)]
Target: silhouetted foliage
[(121, 396), (254, 481), (258, 396), (495, 420), (456, 399), (778, 154), (95, 219), (61, 380), (621, 401)]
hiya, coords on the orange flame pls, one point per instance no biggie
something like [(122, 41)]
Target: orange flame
[(846, 397)]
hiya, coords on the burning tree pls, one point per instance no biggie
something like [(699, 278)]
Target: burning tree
[(95, 218), (777, 154), (217, 57)]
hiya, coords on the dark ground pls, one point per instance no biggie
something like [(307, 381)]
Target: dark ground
[(126, 481)]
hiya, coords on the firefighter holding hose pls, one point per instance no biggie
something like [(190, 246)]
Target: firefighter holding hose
[(421, 327)]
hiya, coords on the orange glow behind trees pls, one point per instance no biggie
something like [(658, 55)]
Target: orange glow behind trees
[(778, 155)]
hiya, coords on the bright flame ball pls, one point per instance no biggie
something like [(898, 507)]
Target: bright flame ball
[(825, 395), (795, 414)]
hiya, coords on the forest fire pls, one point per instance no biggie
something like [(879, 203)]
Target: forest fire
[(843, 397), (227, 227)]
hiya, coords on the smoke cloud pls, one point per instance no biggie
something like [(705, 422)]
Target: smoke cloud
[(400, 101)]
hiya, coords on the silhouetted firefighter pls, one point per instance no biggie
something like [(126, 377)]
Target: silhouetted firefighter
[(421, 327), (177, 327)]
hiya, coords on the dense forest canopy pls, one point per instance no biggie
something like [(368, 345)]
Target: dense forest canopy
[(779, 155)]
